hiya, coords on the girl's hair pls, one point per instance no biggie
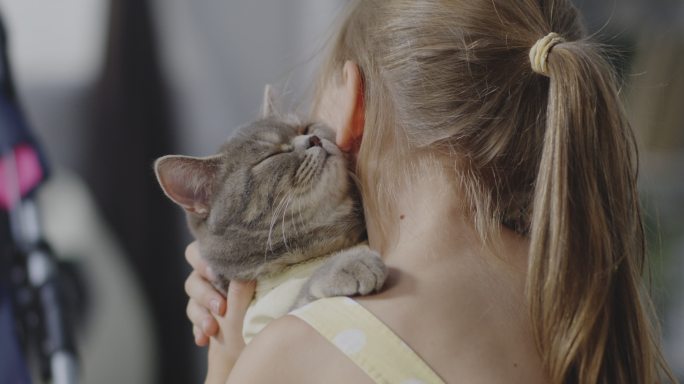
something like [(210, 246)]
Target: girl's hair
[(449, 85)]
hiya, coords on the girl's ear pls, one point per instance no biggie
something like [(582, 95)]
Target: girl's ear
[(188, 181), (351, 110)]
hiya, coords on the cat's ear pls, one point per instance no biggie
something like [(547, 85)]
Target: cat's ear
[(268, 108), (188, 181)]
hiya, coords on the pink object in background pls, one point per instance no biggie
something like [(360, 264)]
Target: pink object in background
[(29, 173)]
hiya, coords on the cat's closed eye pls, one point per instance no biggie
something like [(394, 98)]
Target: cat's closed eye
[(278, 150)]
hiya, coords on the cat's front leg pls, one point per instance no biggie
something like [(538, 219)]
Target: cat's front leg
[(354, 271)]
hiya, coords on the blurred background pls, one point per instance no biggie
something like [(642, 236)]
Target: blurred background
[(108, 86)]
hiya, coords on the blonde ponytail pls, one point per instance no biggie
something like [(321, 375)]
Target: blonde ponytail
[(587, 242)]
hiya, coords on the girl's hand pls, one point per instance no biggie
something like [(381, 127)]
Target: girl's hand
[(207, 312), (204, 300)]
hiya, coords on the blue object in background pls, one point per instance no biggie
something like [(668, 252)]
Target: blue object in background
[(12, 365)]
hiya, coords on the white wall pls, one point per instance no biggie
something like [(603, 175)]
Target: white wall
[(218, 56), (56, 50), (56, 41)]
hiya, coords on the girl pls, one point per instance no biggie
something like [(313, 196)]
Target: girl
[(499, 181)]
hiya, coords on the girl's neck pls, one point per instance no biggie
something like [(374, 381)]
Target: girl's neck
[(430, 223)]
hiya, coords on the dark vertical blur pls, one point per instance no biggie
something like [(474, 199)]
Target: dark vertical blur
[(130, 128)]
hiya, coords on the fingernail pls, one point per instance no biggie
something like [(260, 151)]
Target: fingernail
[(210, 273), (215, 305)]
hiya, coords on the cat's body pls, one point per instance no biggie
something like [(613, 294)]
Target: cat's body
[(278, 194)]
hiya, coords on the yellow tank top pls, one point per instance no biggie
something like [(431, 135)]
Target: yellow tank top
[(369, 343), (275, 295)]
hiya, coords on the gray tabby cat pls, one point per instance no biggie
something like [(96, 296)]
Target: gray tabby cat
[(277, 194)]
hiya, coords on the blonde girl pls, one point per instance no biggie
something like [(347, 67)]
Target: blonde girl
[(499, 181)]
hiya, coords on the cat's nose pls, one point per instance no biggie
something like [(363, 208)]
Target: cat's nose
[(315, 141)]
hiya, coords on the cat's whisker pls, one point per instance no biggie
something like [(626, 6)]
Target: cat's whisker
[(274, 217), (299, 212), (298, 219), (302, 169), (307, 176), (293, 222), (282, 225), (269, 242), (307, 169)]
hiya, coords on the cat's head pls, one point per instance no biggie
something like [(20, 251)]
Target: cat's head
[(276, 194)]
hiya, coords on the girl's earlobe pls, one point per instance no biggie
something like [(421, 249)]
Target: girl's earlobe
[(352, 109)]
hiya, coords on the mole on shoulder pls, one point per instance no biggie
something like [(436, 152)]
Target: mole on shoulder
[(402, 217)]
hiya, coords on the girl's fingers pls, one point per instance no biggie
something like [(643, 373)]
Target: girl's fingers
[(192, 255), (201, 319), (204, 293), (240, 294), (201, 339), (203, 297)]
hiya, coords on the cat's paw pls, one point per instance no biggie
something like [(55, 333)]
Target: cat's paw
[(355, 273)]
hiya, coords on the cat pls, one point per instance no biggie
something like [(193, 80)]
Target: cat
[(277, 195)]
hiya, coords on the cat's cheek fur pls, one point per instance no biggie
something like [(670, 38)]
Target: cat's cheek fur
[(334, 184)]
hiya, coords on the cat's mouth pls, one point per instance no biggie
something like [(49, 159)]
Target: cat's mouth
[(319, 154), (314, 164), (323, 149), (330, 148)]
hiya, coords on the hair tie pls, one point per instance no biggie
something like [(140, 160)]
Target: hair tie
[(540, 52)]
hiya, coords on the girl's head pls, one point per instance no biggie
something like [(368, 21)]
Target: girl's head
[(449, 87)]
